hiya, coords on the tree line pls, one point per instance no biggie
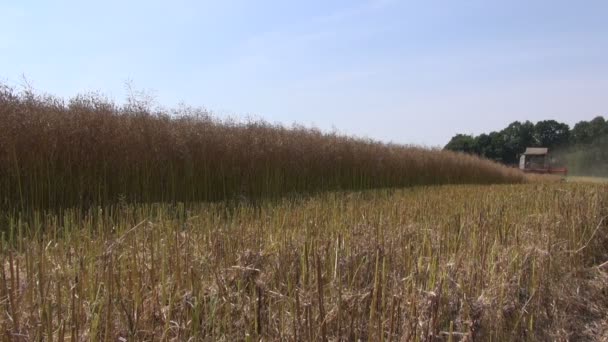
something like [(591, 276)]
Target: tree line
[(506, 145)]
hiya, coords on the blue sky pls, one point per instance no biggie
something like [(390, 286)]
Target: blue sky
[(402, 71)]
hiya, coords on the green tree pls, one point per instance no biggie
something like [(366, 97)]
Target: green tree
[(516, 137), (484, 146), (586, 132), (506, 145), (581, 133), (495, 148), (598, 127), (463, 143), (550, 133)]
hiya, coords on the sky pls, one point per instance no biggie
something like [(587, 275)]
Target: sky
[(408, 72)]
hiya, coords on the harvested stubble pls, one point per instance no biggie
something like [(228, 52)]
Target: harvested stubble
[(88, 151), (454, 263)]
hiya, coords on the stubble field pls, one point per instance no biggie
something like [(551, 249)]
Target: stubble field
[(453, 263)]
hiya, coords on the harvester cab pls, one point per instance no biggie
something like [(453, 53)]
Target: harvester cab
[(538, 160)]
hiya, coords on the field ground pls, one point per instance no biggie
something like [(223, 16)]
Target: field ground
[(442, 263), (587, 179)]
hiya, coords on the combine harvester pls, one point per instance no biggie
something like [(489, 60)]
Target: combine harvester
[(537, 160)]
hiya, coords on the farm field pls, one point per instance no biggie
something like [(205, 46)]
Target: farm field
[(125, 223), (442, 263), (259, 171)]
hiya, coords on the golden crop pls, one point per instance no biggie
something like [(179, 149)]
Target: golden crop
[(89, 151)]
